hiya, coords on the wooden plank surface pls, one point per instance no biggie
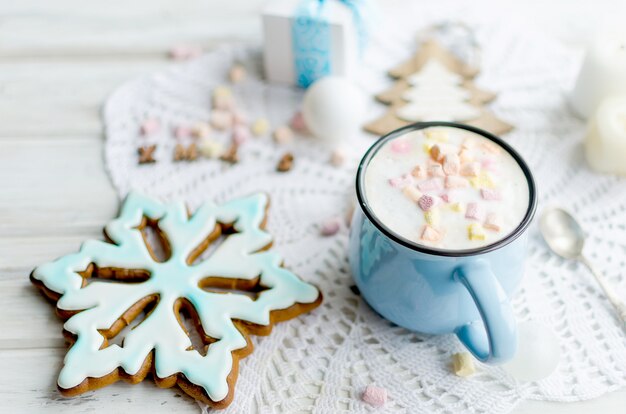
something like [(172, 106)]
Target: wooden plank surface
[(58, 62)]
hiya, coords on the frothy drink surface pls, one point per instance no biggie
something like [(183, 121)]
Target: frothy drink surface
[(447, 188)]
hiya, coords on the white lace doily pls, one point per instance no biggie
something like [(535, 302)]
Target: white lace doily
[(322, 361)]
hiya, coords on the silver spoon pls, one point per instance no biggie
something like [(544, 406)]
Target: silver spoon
[(565, 237)]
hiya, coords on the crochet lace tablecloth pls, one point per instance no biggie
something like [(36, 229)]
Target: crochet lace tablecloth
[(321, 362)]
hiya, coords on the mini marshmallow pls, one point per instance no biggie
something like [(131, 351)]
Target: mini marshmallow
[(474, 212), (418, 172), (427, 147), (260, 127), (489, 164), (240, 118), (221, 120), (490, 194), (482, 181), (182, 131), (436, 170), (400, 146), (433, 184), (237, 73), (412, 193), (437, 135), (283, 135), (150, 126), (201, 130), (210, 148), (447, 197), (470, 170), (241, 134), (402, 181), (426, 202), (298, 123), (451, 164), (185, 52), (490, 147), (456, 207), (453, 181), (493, 222), (465, 156), (223, 98), (475, 232), (463, 364), (431, 217), (374, 396), (430, 234), (338, 157), (330, 227)]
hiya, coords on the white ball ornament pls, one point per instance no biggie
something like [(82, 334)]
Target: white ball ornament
[(333, 109)]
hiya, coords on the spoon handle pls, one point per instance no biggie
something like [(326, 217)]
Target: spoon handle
[(608, 289)]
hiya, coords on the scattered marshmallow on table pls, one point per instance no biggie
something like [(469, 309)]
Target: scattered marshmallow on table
[(337, 157), (463, 364), (185, 52), (150, 126), (374, 396), (182, 131), (237, 73), (330, 227), (283, 135), (201, 130), (210, 148), (241, 134), (221, 120), (297, 122), (223, 98), (260, 126)]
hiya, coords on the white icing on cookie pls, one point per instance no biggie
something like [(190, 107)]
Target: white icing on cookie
[(104, 302), (436, 95)]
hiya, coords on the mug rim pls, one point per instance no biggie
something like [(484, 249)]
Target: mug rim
[(373, 149)]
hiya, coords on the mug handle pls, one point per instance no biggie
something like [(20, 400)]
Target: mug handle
[(495, 339)]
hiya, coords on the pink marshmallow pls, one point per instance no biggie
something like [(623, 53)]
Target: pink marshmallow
[(431, 234), (434, 184), (184, 52), (400, 146), (402, 181), (436, 170), (240, 118), (451, 164), (490, 194), (426, 202), (489, 164), (474, 212), (493, 222), (447, 197), (297, 122), (374, 396), (241, 134), (150, 126), (182, 132), (418, 172), (330, 227)]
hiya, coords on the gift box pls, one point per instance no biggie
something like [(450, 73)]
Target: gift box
[(305, 40)]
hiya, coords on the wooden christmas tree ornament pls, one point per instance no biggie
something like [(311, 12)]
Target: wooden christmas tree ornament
[(434, 85)]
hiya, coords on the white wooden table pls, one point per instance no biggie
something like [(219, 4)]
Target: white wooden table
[(58, 61)]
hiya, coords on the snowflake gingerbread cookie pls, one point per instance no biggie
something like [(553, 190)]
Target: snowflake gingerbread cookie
[(122, 286)]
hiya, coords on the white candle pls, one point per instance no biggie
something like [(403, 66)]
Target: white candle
[(606, 137), (603, 72)]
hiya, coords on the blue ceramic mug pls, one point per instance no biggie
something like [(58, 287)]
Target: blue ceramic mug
[(434, 291)]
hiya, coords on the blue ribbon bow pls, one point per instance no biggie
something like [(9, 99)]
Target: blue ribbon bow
[(312, 40)]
